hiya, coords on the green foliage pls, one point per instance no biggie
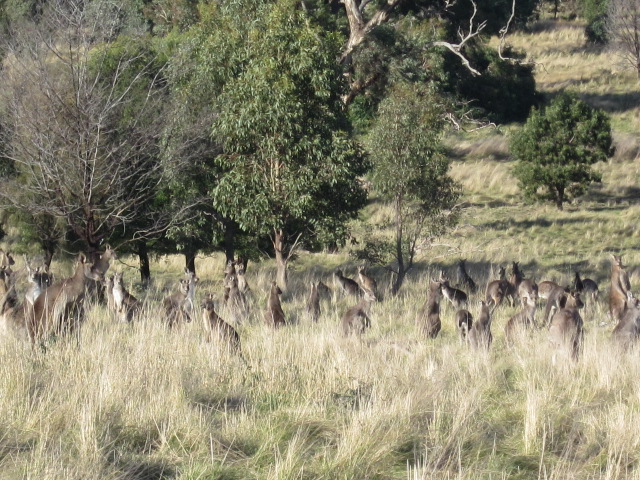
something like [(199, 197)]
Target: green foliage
[(504, 92), (410, 170), (557, 146), (289, 161), (595, 13)]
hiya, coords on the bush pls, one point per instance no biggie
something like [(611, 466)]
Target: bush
[(556, 148)]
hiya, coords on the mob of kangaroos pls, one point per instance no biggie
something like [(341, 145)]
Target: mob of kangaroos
[(53, 308)]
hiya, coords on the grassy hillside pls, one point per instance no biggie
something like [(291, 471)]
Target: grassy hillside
[(139, 402)]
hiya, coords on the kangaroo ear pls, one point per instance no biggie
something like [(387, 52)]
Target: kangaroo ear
[(82, 258)]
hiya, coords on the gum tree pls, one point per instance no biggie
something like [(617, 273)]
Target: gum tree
[(410, 172)]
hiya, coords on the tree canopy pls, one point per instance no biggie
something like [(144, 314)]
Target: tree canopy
[(557, 147)]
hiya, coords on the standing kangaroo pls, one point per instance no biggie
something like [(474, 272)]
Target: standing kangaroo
[(586, 286), (545, 288), (480, 333), (234, 299), (7, 288), (216, 327), (457, 297), (523, 319), (60, 307), (38, 282), (497, 289), (464, 279), (428, 319), (628, 329), (367, 283), (464, 321), (528, 290), (274, 316), (125, 304), (101, 266), (566, 325), (356, 319), (346, 285), (620, 285), (6, 260), (556, 299), (313, 305), (513, 284), (179, 306)]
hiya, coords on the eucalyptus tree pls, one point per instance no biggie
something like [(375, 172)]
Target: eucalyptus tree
[(289, 164), (410, 172)]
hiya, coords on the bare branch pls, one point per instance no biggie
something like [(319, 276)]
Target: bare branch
[(465, 37)]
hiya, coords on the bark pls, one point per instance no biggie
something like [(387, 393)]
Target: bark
[(229, 241), (145, 270), (402, 271), (190, 260), (281, 259)]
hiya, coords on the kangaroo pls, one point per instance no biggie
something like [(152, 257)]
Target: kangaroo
[(324, 292), (525, 318), (241, 268), (457, 297), (346, 285), (545, 288), (60, 307), (13, 321), (125, 304), (528, 290), (464, 321), (464, 279), (428, 319), (216, 327), (7, 287), (313, 305), (556, 299), (566, 325), (274, 316), (480, 333), (628, 329), (179, 305), (367, 282), (108, 290), (586, 286), (356, 319), (497, 289), (38, 282), (513, 284), (101, 265), (620, 285), (6, 260), (234, 299)]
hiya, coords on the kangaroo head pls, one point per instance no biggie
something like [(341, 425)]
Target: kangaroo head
[(208, 303)]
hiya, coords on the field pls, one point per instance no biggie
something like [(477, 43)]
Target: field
[(139, 402)]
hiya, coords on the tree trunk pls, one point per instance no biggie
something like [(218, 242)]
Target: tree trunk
[(281, 260), (397, 283), (560, 198), (229, 241), (48, 257), (145, 270), (190, 260)]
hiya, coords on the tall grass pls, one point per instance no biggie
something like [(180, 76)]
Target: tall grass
[(139, 401)]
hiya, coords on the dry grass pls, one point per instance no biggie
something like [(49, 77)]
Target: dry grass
[(140, 402)]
